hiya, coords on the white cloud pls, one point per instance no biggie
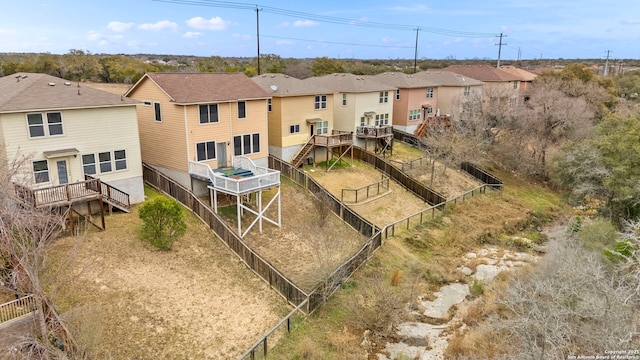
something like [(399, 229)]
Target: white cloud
[(192, 35), (285, 42), (359, 21), (305, 23), (415, 8), (388, 40), (215, 23), (160, 25), (118, 26), (241, 37)]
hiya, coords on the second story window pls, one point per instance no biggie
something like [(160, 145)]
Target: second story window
[(37, 125), (156, 108), (208, 113), (397, 94), (467, 90), (515, 84), (320, 102), (384, 97), (269, 105), (242, 109), (429, 92), (344, 99)]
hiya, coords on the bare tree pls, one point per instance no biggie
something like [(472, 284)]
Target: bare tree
[(26, 235)]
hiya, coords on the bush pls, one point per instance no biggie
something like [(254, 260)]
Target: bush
[(163, 222)]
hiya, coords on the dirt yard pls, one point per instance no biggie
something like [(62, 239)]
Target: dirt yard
[(305, 248), (196, 301), (381, 210)]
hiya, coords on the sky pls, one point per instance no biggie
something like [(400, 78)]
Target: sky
[(455, 29)]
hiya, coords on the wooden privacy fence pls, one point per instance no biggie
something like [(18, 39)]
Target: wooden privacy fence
[(16, 308), (482, 175), (363, 193), (285, 287), (427, 195)]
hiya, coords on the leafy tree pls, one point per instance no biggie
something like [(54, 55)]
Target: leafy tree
[(628, 85), (163, 222), (325, 66), (81, 65), (212, 64), (297, 68)]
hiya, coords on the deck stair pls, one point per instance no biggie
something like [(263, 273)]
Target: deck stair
[(302, 154)]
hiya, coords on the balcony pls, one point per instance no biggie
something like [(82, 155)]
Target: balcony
[(244, 177), (374, 132)]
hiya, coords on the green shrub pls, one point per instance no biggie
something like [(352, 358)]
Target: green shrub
[(476, 289), (163, 222)]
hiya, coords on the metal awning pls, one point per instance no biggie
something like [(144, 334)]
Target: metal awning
[(314, 120), (369, 113), (427, 106), (60, 153)]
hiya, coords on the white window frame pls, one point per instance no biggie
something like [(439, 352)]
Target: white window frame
[(46, 124), (209, 120), (206, 147), (37, 173), (322, 127), (244, 109), (414, 114), (384, 97), (467, 90), (430, 92), (119, 161), (89, 164), (320, 102), (105, 162), (254, 147), (515, 84), (41, 125), (157, 112)]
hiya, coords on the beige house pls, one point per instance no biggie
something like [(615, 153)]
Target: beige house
[(499, 86), (362, 106), (205, 119), (454, 90), (70, 133), (296, 112)]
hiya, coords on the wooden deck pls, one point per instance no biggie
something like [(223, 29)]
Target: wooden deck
[(374, 132)]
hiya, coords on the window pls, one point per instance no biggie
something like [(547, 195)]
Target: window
[(269, 105), (41, 171), (467, 90), (513, 102), (382, 119), (429, 110), (320, 102), (208, 113), (147, 103), (515, 84), (429, 92), (36, 126), (322, 127), (246, 144), (384, 97), (89, 164), (344, 99), (120, 157), (54, 122), (362, 121), (242, 109), (156, 108), (397, 94), (105, 161), (205, 151), (294, 129), (414, 114)]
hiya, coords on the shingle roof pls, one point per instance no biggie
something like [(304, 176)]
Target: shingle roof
[(425, 79), (193, 88), (284, 85), (34, 92), (343, 82), (483, 73), (524, 74)]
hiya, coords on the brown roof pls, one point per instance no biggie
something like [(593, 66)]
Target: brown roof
[(38, 92), (193, 88), (425, 79), (483, 73), (284, 85), (524, 74)]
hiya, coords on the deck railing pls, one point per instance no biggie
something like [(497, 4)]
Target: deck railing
[(374, 132), (335, 139), (262, 177), (16, 308), (60, 194), (112, 194)]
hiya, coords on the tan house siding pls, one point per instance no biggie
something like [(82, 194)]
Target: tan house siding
[(255, 122), (276, 128), (162, 143)]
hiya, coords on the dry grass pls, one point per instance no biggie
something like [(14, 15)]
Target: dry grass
[(195, 301)]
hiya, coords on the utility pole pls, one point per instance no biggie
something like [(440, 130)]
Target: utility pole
[(258, 35), (606, 65), (500, 44), (415, 56)]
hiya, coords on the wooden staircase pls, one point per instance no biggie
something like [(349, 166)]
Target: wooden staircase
[(302, 154), (113, 196)]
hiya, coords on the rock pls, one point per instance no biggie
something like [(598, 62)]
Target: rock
[(466, 271), (448, 296), (488, 272), (540, 249), (471, 255)]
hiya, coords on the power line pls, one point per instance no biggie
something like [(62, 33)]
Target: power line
[(340, 43)]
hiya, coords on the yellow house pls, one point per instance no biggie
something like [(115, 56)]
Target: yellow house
[(296, 111), (202, 118), (69, 133)]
